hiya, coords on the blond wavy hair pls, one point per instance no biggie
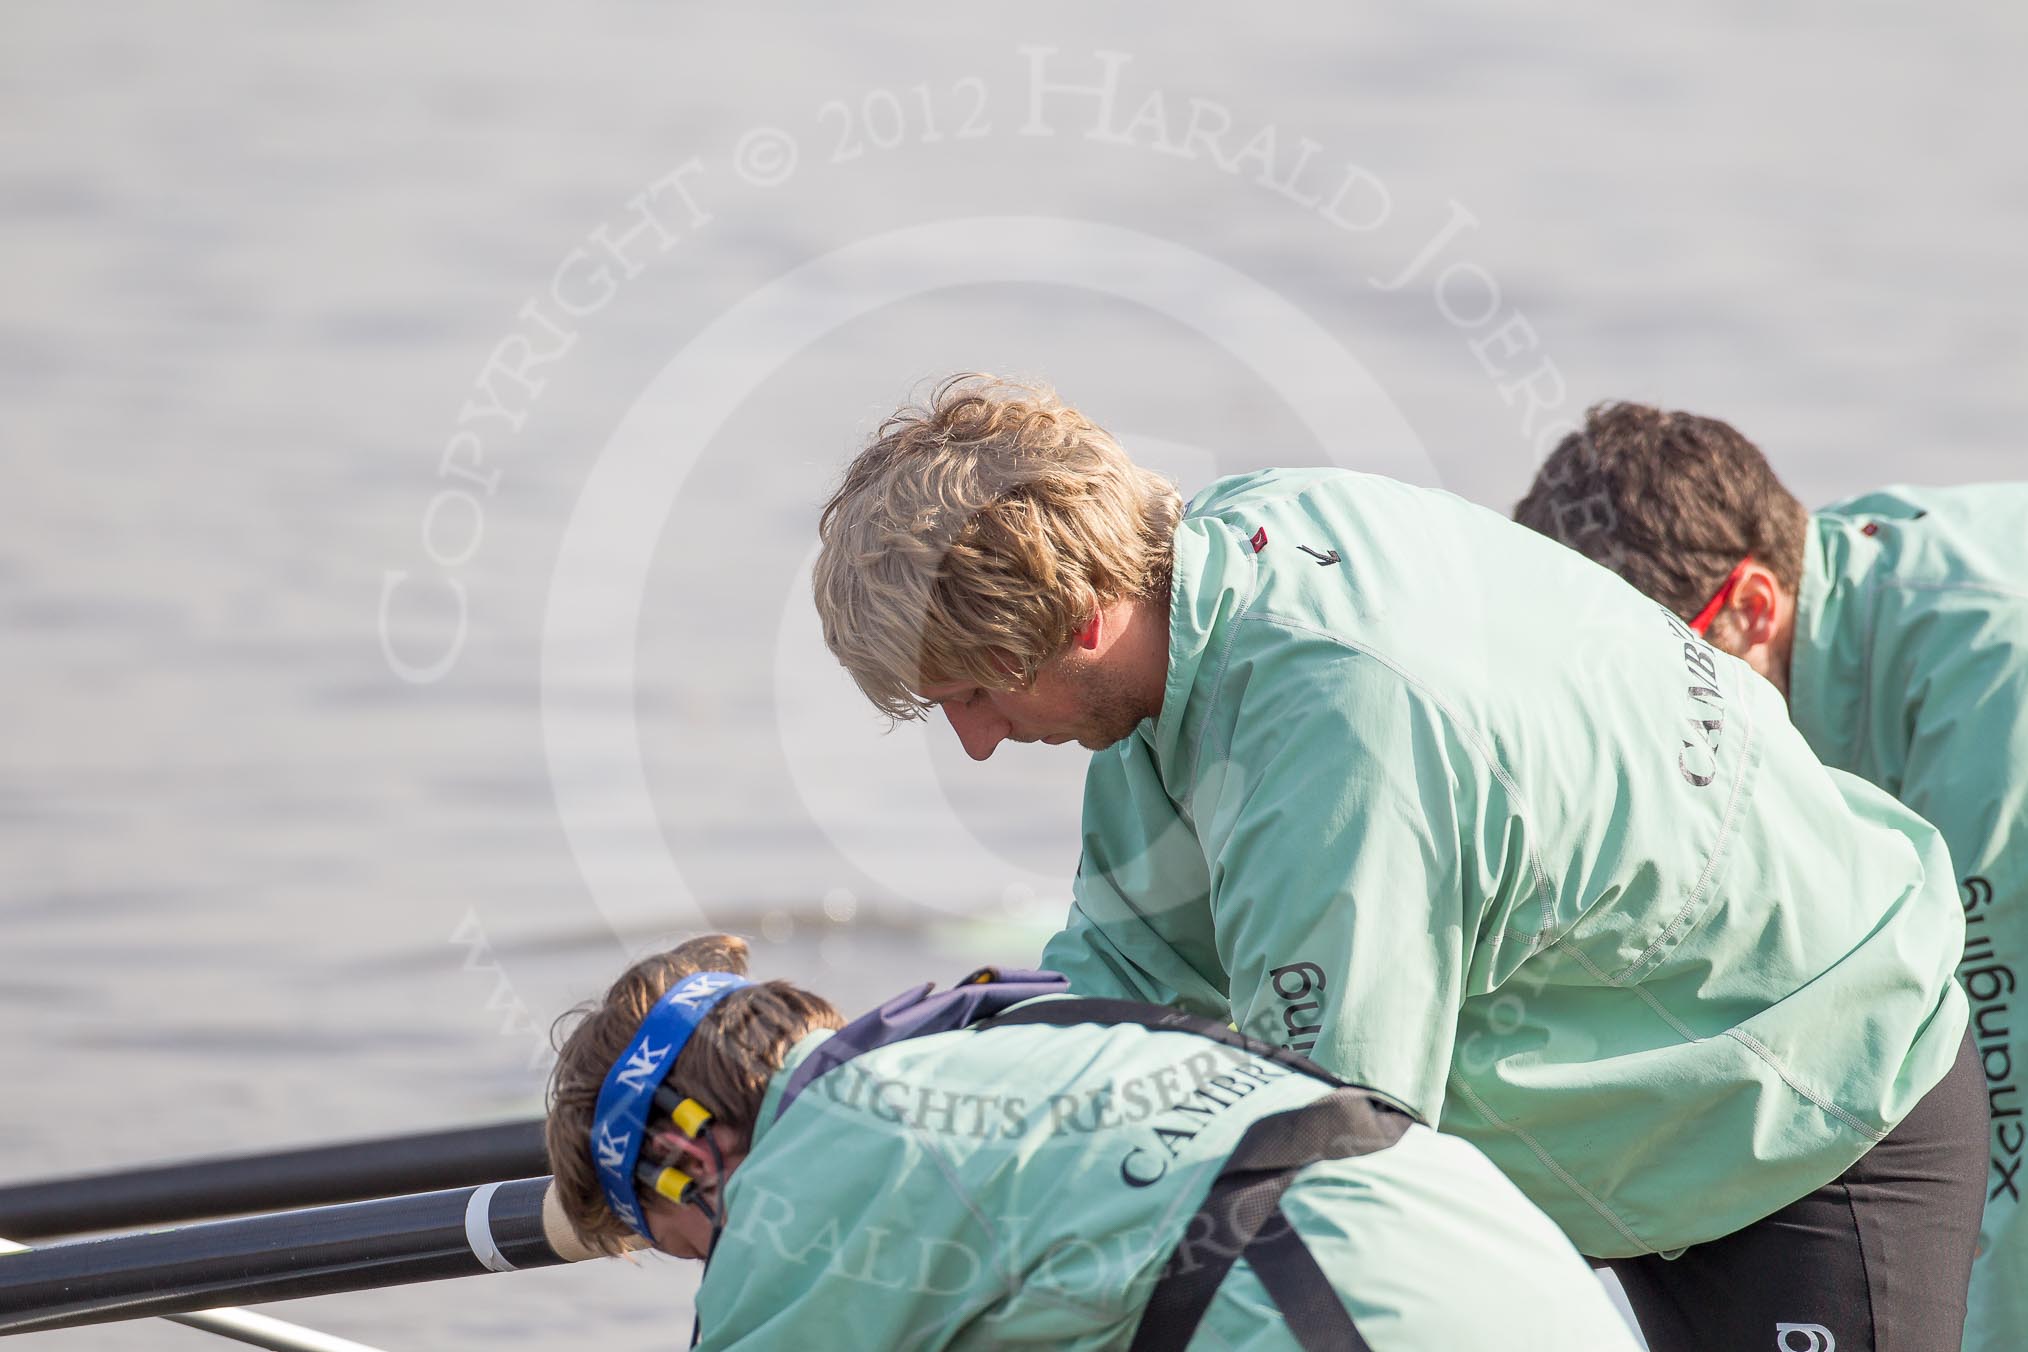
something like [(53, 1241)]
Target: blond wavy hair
[(725, 1066), (974, 537)]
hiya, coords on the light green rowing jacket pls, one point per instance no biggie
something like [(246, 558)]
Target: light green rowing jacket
[(1910, 667), (1466, 818), (1023, 1186)]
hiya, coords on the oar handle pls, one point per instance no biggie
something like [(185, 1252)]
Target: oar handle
[(459, 1232)]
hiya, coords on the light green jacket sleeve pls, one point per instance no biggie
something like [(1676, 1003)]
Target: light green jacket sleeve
[(1138, 927), (1337, 868)]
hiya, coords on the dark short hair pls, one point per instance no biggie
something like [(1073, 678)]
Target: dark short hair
[(1669, 501)]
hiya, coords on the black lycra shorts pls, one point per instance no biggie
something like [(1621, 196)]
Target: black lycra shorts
[(1875, 1261)]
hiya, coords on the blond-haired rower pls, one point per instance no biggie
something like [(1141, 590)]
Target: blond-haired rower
[(1387, 779)]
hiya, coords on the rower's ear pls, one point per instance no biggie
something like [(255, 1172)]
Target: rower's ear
[(1757, 604), (1097, 625), (1088, 637)]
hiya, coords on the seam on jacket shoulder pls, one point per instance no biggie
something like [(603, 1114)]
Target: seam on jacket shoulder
[(1760, 1050)]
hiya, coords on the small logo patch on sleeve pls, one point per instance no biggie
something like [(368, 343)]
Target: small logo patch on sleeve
[(1260, 540)]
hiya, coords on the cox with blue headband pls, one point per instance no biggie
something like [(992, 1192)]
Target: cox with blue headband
[(634, 1093)]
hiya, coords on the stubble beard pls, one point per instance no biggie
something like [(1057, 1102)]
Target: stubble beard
[(1112, 708)]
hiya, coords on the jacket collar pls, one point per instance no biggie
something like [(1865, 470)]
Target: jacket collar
[(1827, 661), (1212, 580)]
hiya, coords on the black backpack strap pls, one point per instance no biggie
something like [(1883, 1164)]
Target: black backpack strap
[(1300, 1290), (1242, 1215)]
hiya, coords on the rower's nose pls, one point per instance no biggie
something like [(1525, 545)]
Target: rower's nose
[(979, 730)]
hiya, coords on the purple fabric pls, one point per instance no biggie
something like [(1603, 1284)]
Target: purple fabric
[(919, 1013)]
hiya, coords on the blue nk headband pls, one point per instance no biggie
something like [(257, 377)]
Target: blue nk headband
[(630, 1089)]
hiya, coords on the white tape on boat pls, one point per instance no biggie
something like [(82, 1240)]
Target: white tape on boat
[(479, 1229)]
